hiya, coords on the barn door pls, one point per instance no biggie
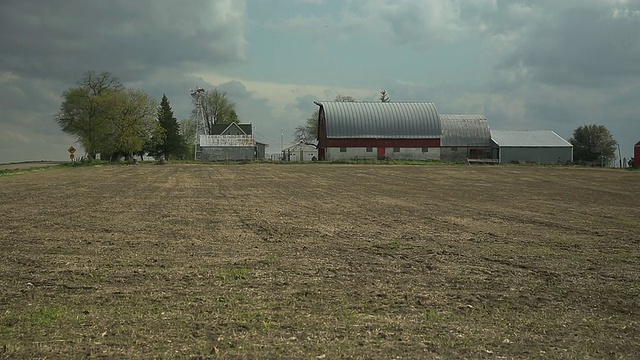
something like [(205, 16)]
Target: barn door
[(381, 153)]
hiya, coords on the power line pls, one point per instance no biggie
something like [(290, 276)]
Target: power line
[(270, 140)]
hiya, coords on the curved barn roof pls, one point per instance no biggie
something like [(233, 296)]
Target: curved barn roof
[(465, 130), (393, 120)]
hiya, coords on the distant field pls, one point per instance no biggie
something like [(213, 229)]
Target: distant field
[(320, 261), (29, 165)]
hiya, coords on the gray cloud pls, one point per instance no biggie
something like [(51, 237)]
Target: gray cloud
[(235, 90), (303, 104), (60, 39), (582, 47)]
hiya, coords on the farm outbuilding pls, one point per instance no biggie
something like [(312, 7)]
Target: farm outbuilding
[(464, 136), (636, 156), (300, 152), (530, 146), (230, 142), (377, 130)]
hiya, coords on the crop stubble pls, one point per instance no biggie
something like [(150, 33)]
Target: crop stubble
[(307, 261)]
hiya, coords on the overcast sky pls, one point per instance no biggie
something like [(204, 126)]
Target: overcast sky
[(543, 64)]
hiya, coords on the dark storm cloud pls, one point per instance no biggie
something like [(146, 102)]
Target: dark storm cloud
[(586, 47), (60, 39), (29, 104)]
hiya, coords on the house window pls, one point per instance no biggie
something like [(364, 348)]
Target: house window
[(425, 150), (369, 149), (396, 149), (343, 149)]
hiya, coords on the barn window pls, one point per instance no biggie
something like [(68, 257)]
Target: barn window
[(369, 149), (454, 149), (396, 149), (343, 149), (425, 149)]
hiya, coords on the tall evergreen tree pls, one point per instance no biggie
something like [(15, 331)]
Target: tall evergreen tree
[(171, 143)]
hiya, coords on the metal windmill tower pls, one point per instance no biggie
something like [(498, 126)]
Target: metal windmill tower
[(198, 96)]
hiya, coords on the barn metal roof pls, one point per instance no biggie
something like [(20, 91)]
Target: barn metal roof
[(528, 138), (465, 130), (393, 120)]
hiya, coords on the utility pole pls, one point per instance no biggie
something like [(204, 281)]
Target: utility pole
[(281, 144), (620, 156)]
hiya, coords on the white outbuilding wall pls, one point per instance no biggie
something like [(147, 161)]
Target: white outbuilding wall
[(350, 153)]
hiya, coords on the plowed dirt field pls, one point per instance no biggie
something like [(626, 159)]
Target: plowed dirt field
[(320, 261)]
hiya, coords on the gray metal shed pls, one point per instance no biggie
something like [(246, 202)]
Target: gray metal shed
[(531, 146), (465, 136), (467, 130)]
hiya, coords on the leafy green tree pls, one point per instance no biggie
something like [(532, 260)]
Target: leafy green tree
[(108, 119), (171, 143), (131, 122), (593, 143), (308, 132), (83, 114), (384, 96), (217, 109), (188, 128)]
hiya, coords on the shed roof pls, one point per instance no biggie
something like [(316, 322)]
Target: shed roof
[(528, 138), (218, 129), (392, 120), (465, 130), (301, 146)]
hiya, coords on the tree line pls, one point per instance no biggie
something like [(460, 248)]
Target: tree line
[(117, 122)]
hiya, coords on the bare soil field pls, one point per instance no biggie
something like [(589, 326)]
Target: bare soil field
[(320, 261)]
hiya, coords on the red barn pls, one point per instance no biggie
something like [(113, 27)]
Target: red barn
[(399, 130), (376, 129), (636, 156)]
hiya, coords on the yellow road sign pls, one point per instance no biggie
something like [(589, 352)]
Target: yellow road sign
[(72, 150)]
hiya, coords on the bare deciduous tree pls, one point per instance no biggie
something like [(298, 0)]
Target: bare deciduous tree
[(217, 109)]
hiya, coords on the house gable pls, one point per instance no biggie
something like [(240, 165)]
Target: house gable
[(233, 129)]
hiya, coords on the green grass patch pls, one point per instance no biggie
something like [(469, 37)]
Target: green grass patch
[(430, 315), (91, 163), (235, 274), (46, 316)]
